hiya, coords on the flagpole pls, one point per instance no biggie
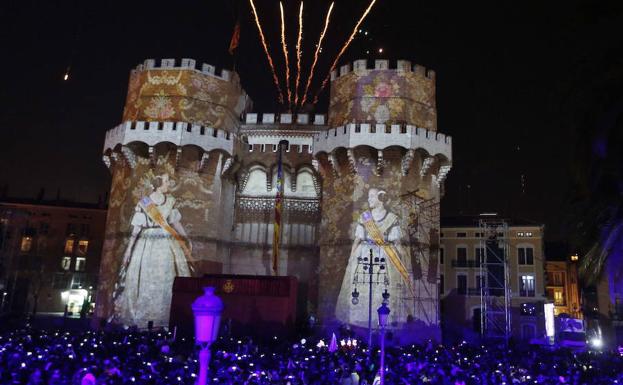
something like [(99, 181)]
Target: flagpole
[(279, 198)]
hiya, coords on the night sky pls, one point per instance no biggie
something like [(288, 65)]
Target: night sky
[(510, 80)]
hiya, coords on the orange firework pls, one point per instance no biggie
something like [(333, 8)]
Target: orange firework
[(344, 48), (298, 56), (318, 46), (285, 53), (270, 59)]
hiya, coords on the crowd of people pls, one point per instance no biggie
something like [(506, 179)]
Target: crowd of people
[(130, 357)]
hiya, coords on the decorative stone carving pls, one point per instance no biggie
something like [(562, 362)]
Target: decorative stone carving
[(407, 159), (129, 156), (351, 160), (426, 165)]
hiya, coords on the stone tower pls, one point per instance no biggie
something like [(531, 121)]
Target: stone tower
[(194, 189), (383, 165), (172, 190)]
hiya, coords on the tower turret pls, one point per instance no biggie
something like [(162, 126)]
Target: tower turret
[(383, 165), (404, 95), (171, 160)]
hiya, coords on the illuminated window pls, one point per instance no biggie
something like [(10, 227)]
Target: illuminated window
[(26, 244), (81, 263), (525, 255), (559, 298), (66, 263), (526, 286), (69, 246), (83, 246)]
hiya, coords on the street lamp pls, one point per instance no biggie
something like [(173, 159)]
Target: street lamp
[(383, 312), (207, 311), (367, 276)]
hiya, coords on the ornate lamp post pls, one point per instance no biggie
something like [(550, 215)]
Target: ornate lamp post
[(367, 276), (383, 312), (207, 311)]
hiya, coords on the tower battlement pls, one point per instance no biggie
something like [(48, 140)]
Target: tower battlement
[(380, 94), (272, 118), (187, 64), (381, 136), (178, 91), (177, 133), (362, 66)]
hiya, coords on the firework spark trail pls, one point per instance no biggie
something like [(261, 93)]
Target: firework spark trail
[(298, 56), (270, 59), (318, 47), (344, 48), (285, 54)]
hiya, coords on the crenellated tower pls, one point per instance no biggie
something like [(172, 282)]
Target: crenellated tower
[(383, 165), (194, 185), (172, 161)]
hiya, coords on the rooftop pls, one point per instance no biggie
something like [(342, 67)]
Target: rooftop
[(472, 220), (57, 203)]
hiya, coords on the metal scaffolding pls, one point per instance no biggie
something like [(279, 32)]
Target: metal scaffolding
[(495, 291), (423, 244)]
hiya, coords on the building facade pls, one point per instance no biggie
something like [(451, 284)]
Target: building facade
[(49, 256), (463, 250), (562, 287), (195, 176)]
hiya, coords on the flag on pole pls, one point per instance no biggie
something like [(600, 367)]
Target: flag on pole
[(235, 39), (278, 207)]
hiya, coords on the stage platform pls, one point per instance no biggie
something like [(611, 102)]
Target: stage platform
[(254, 305)]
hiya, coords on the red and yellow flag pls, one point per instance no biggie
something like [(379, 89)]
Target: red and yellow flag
[(235, 39)]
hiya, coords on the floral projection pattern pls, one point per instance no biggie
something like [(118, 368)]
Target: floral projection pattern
[(383, 97), (183, 95)]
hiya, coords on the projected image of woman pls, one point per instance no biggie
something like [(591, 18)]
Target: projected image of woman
[(157, 252), (378, 229)]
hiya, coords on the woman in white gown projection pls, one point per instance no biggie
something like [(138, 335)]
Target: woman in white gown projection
[(157, 252), (378, 230)]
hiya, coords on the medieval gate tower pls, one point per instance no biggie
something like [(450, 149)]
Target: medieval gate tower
[(194, 184)]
